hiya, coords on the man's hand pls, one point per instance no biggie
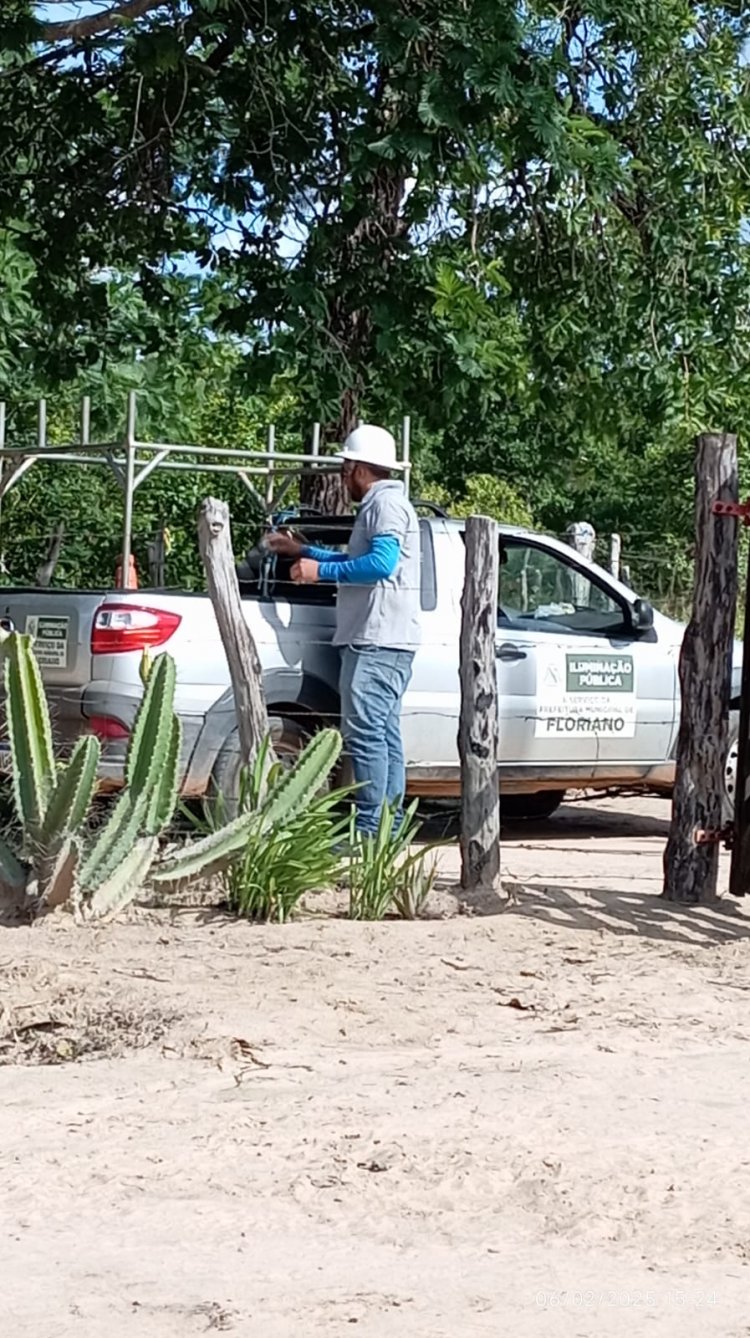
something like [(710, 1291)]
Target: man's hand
[(305, 572), (283, 544)]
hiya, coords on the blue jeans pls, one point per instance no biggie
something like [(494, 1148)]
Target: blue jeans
[(373, 683)]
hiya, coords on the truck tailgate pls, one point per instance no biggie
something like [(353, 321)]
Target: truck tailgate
[(60, 622)]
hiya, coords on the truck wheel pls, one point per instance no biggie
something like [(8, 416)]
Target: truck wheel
[(730, 769), (530, 807), (288, 738)]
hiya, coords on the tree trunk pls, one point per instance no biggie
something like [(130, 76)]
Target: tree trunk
[(478, 722), (372, 229), (691, 863), (46, 571), (325, 492), (157, 551), (215, 541)]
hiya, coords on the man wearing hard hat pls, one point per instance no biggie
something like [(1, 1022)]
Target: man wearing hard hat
[(377, 617)]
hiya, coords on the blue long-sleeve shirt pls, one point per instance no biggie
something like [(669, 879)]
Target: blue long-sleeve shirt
[(377, 564)]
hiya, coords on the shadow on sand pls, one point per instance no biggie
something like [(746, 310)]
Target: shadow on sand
[(581, 821), (598, 910)]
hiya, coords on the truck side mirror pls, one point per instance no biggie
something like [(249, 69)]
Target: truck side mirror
[(642, 615)]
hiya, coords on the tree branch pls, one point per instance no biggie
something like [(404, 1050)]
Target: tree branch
[(74, 30)]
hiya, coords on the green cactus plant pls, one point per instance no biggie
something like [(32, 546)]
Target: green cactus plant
[(287, 798), (57, 862), (30, 733), (150, 765)]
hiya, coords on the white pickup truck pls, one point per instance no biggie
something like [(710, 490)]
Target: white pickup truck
[(587, 672)]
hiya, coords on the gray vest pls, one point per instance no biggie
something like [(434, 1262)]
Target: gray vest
[(386, 614)]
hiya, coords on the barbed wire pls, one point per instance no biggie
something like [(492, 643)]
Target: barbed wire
[(664, 577)]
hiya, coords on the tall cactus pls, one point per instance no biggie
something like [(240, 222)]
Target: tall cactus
[(148, 800), (30, 733), (13, 875), (287, 798), (53, 803), (57, 862), (66, 812), (71, 797), (119, 860)]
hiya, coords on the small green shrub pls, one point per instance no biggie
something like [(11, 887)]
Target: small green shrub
[(277, 869), (382, 875), (277, 863)]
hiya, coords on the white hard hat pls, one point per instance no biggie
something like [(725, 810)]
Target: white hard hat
[(368, 445)]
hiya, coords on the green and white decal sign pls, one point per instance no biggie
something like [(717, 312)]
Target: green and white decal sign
[(50, 640), (584, 693)]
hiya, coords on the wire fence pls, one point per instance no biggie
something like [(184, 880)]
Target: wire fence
[(656, 567)]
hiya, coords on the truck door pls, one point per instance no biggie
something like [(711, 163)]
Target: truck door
[(577, 684)]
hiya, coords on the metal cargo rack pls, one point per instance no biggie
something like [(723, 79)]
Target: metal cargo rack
[(131, 461)]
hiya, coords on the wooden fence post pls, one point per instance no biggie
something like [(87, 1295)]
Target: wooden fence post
[(215, 542), (582, 537), (46, 571), (156, 552), (739, 869), (691, 865), (478, 723), (615, 549)]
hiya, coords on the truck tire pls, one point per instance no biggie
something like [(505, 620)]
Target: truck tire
[(530, 807), (288, 738), (730, 769)]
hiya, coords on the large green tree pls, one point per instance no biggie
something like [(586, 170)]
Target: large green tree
[(524, 223)]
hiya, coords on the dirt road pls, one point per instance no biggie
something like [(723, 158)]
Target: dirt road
[(530, 1122)]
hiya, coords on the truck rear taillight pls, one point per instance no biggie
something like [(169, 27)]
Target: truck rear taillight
[(106, 729), (119, 628)]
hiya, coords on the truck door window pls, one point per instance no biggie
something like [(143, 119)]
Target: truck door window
[(542, 592)]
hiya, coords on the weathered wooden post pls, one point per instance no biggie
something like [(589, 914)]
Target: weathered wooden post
[(615, 549), (157, 552), (215, 542), (582, 537), (478, 722), (739, 870), (46, 570), (691, 858)]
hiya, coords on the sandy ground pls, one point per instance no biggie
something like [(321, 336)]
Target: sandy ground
[(531, 1122)]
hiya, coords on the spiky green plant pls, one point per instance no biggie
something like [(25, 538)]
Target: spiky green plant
[(56, 861), (284, 795), (280, 864), (382, 874)]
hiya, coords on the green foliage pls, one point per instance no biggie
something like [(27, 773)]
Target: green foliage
[(286, 800), (525, 225), (57, 861), (285, 861), (193, 395), (275, 871), (382, 875), (483, 495), (287, 842)]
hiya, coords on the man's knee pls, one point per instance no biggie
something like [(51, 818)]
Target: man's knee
[(363, 731)]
